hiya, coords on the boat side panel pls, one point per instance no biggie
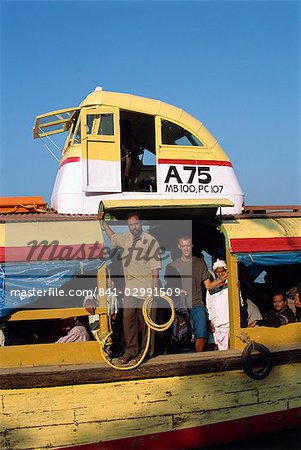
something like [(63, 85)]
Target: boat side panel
[(83, 414)]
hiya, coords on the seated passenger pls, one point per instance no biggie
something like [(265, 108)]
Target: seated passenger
[(218, 308), (295, 294), (73, 331), (281, 314), (253, 311)]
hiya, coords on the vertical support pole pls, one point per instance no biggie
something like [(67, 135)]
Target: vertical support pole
[(234, 302), (102, 301)]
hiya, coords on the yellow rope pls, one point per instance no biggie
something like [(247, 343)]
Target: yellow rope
[(151, 325)]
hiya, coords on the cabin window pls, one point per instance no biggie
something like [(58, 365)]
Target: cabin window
[(173, 134), (90, 120), (77, 137), (106, 126), (75, 133), (101, 124)]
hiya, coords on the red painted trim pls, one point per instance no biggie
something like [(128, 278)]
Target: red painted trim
[(69, 160), (206, 435), (195, 162), (51, 252), (265, 244)]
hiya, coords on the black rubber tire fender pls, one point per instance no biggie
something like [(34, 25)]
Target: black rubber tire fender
[(247, 361)]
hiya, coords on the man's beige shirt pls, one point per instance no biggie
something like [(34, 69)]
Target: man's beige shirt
[(139, 257)]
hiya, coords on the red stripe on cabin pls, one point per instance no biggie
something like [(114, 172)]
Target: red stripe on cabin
[(241, 245), (206, 435), (69, 160), (51, 252), (195, 162)]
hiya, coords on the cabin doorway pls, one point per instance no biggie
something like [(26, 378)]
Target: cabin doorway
[(138, 152)]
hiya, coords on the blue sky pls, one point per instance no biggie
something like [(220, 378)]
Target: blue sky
[(235, 65)]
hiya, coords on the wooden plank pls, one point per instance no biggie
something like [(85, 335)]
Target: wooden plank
[(32, 419), (75, 434), (263, 208), (182, 421), (159, 367)]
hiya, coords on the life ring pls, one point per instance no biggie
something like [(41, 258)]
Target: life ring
[(247, 361)]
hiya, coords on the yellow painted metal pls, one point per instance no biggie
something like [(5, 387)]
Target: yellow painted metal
[(65, 232), (62, 313), (110, 144), (71, 151), (234, 310), (289, 334), (187, 153), (83, 414), (102, 302), (49, 354), (111, 205)]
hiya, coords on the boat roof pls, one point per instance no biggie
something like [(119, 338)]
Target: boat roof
[(58, 121), (264, 234), (142, 105)]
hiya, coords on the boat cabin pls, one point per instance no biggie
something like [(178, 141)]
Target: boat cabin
[(125, 147)]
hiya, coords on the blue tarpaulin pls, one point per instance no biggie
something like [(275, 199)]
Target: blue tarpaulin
[(257, 262), (269, 259), (20, 281)]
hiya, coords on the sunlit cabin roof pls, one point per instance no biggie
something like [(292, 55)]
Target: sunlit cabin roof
[(149, 106), (263, 234)]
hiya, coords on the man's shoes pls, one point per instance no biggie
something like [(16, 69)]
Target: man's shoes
[(125, 359)]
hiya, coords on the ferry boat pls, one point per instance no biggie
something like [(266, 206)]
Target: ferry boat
[(65, 395)]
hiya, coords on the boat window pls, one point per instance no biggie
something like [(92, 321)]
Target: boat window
[(74, 135), (149, 158), (101, 124), (54, 122), (106, 126), (56, 118), (77, 137), (90, 120), (173, 134)]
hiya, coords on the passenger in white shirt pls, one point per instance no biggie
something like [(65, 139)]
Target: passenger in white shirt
[(218, 307)]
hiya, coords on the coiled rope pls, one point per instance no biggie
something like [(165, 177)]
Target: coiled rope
[(151, 325)]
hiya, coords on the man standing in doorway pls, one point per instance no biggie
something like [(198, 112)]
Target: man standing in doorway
[(140, 253), (193, 271)]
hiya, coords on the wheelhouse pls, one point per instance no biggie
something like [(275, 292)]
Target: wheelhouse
[(177, 157)]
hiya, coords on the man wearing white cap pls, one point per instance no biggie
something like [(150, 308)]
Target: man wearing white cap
[(218, 308)]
